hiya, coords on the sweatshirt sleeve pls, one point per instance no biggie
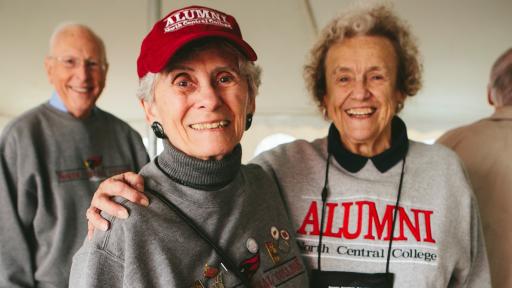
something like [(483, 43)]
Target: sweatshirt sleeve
[(93, 267), (479, 273), (17, 209), (473, 269), (476, 273)]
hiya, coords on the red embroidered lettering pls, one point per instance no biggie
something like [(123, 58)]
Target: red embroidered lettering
[(428, 229), (310, 219), (373, 219), (340, 222), (346, 220), (330, 218)]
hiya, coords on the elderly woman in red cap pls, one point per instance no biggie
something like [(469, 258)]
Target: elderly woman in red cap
[(212, 222)]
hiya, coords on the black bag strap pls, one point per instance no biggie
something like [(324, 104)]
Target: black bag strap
[(225, 259)]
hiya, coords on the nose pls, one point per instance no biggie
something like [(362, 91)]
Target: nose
[(360, 90), (81, 71), (209, 97)]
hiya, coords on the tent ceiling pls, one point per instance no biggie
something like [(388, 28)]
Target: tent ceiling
[(459, 40)]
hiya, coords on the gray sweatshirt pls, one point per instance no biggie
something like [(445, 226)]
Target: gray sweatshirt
[(50, 166), (438, 238), (238, 206)]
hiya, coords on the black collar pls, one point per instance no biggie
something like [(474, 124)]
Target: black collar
[(383, 161)]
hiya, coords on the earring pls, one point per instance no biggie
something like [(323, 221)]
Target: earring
[(248, 122), (399, 106), (158, 130), (324, 113)]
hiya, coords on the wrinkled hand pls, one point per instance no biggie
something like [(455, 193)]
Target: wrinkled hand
[(128, 185)]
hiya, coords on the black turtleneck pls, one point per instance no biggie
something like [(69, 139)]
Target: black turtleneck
[(197, 173), (383, 161)]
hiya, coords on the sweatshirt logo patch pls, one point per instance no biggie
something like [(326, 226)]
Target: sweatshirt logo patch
[(361, 230), (281, 273), (93, 166), (92, 169)]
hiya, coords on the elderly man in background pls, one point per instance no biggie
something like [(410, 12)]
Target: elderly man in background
[(484, 147), (52, 159)]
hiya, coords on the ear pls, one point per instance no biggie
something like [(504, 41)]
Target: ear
[(150, 111), (490, 99), (324, 107), (49, 67), (106, 69), (400, 99), (251, 105)]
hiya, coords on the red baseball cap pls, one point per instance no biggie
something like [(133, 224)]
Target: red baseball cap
[(183, 26)]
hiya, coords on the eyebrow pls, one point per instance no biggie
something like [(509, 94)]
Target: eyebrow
[(178, 67), (186, 68), (341, 69), (229, 68), (376, 68), (346, 69)]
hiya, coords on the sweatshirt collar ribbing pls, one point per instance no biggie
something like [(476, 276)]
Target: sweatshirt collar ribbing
[(383, 161), (197, 173)]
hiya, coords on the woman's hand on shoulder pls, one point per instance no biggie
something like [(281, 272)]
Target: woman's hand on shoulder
[(128, 185)]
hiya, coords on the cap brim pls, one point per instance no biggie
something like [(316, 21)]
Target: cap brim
[(166, 52)]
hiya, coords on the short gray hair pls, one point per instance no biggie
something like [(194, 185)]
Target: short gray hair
[(250, 71), (68, 26), (504, 59), (146, 88), (502, 87), (501, 79)]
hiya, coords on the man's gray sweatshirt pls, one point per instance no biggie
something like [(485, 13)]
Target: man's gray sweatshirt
[(50, 165)]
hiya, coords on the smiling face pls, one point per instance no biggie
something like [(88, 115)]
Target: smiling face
[(202, 103), (361, 90), (77, 70)]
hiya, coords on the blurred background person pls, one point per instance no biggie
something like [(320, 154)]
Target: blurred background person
[(197, 86), (484, 147), (52, 159)]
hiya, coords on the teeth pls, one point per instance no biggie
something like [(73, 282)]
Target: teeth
[(214, 125), (80, 90), (360, 111)]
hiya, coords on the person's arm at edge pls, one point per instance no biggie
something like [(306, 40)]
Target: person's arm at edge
[(16, 264), (479, 275)]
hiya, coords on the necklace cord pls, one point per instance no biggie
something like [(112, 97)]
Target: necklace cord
[(397, 207), (324, 199), (224, 257)]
